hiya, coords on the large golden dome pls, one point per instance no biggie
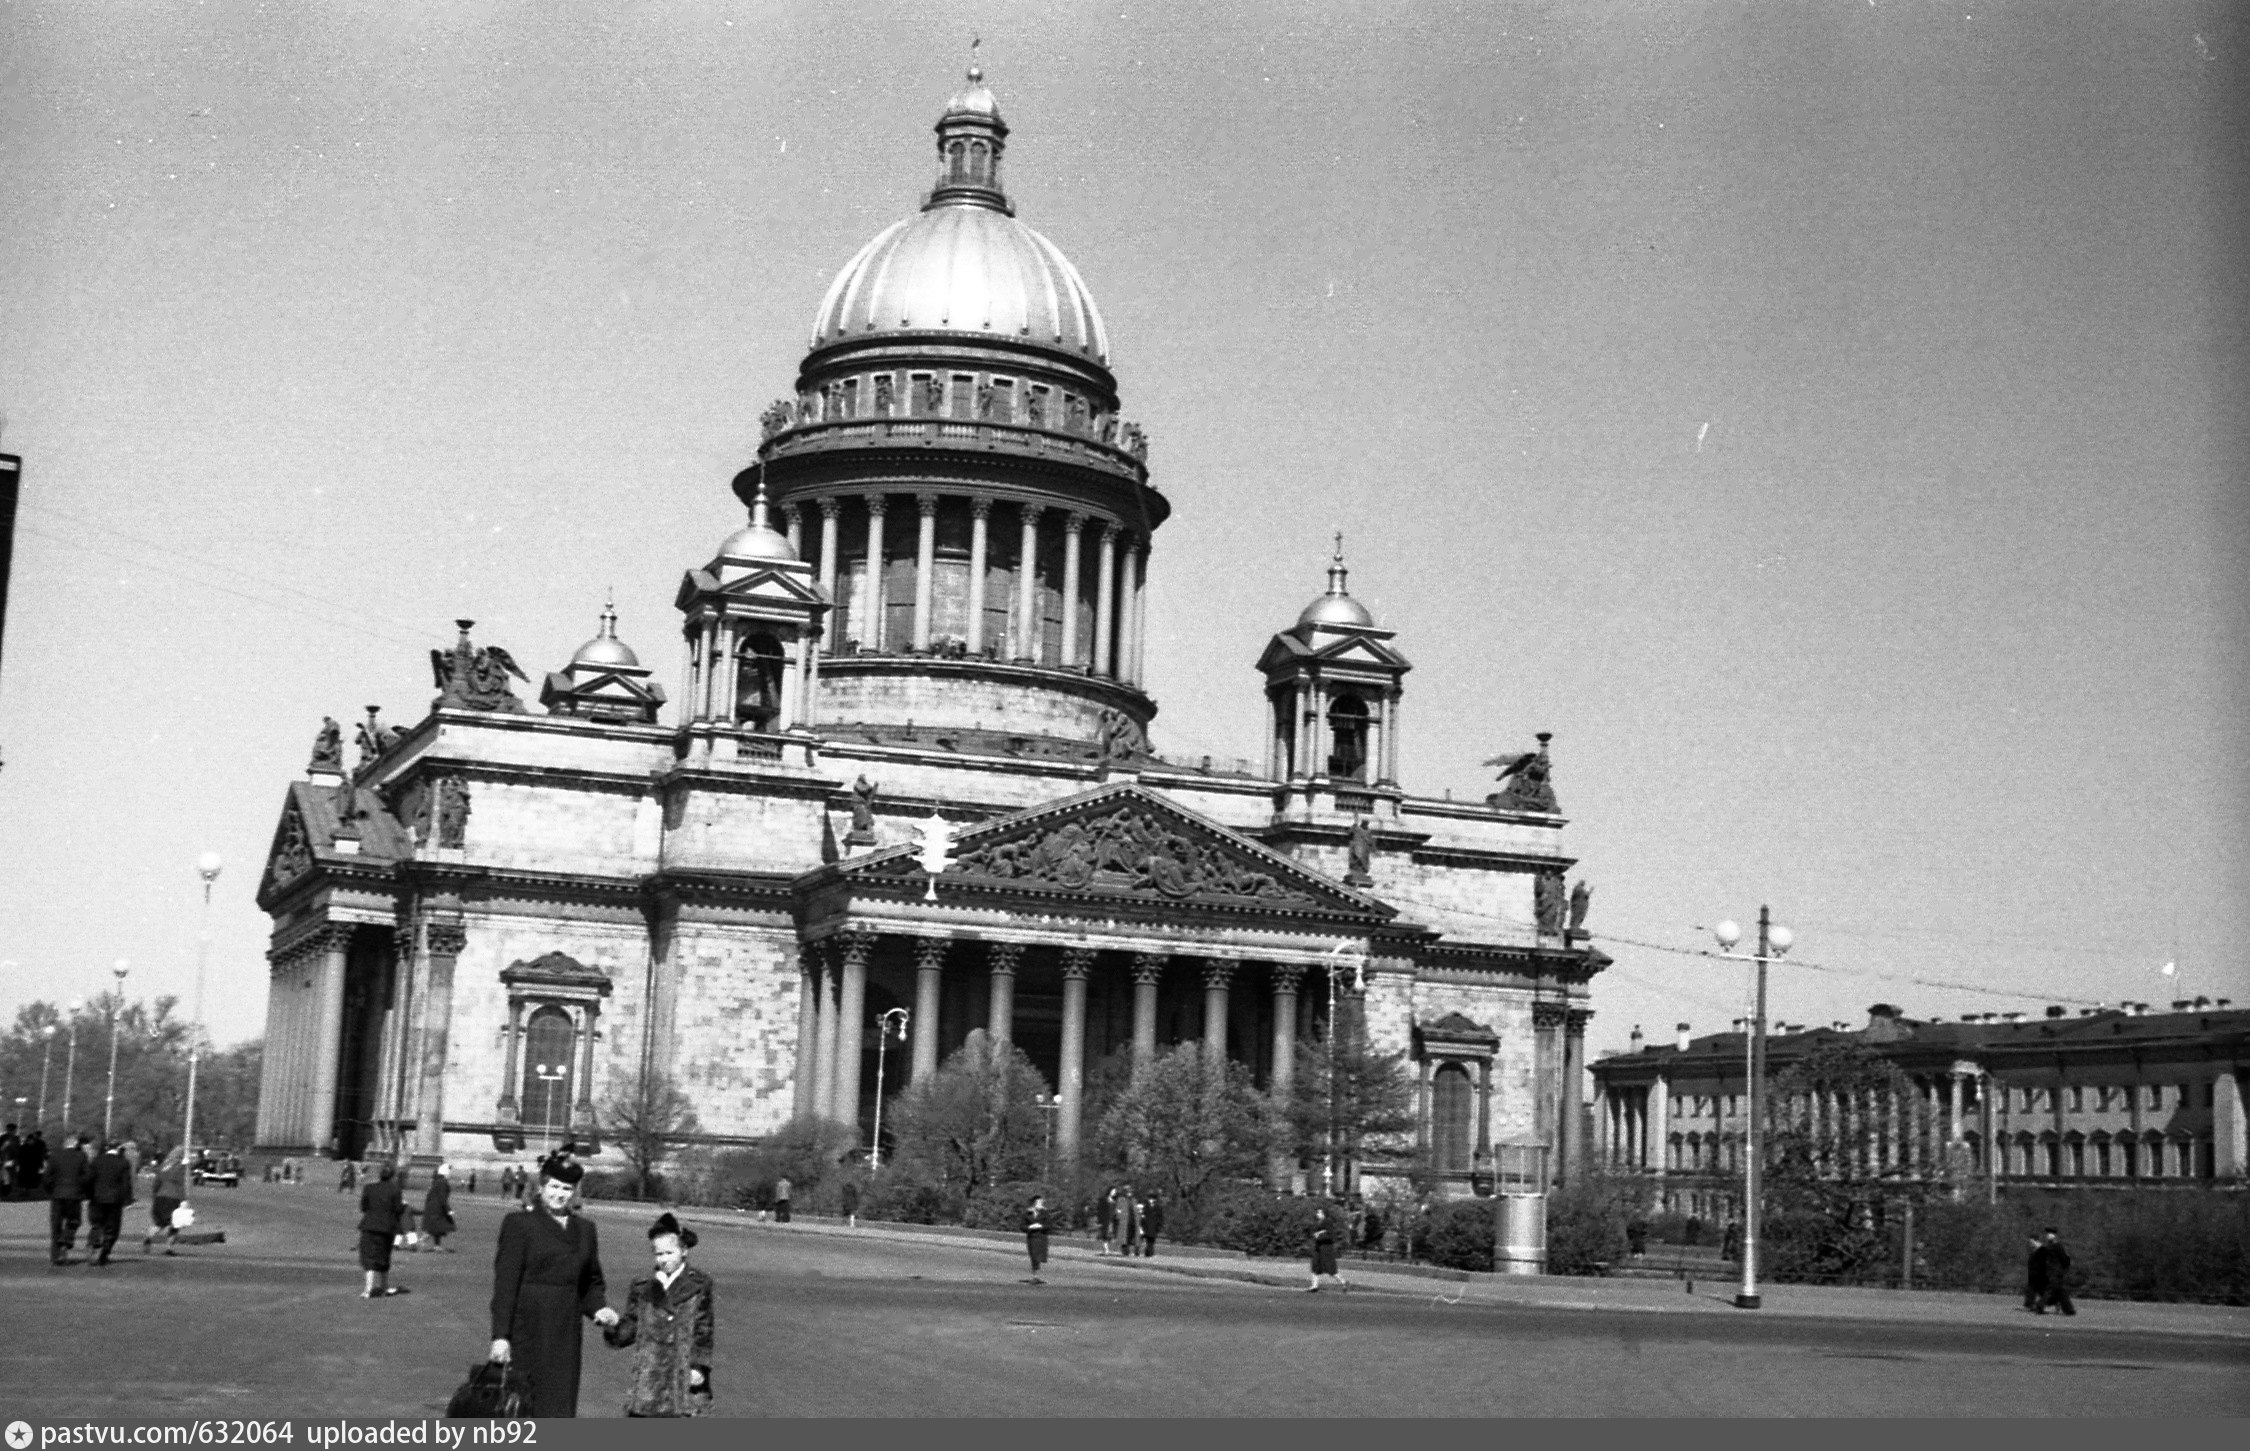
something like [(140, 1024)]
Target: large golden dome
[(964, 264)]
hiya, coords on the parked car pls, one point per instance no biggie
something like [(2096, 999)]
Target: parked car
[(212, 1167)]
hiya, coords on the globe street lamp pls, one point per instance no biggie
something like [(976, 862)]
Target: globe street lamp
[(885, 1022), (1773, 941), (109, 1099), (1359, 984), (207, 867), (46, 1060), (70, 1066), (550, 1077)]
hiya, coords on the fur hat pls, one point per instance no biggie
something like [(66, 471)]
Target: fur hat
[(557, 1167), (666, 1224)]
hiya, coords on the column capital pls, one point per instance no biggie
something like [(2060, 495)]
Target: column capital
[(1579, 1018), (980, 506), (1148, 968), (1074, 522), (1287, 976), (830, 506), (1006, 957), (793, 512), (446, 939), (878, 504), (1217, 974), (856, 946), (1031, 512), (929, 953), (1077, 963), (1549, 1015), (927, 505)]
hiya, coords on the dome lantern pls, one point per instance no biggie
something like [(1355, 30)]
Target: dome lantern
[(1333, 684), (970, 139)]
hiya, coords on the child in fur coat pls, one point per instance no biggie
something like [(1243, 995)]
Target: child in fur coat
[(668, 1320)]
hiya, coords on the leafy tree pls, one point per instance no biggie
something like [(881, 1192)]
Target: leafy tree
[(645, 1118), (152, 1068), (1184, 1127), (977, 1121), (1828, 1185)]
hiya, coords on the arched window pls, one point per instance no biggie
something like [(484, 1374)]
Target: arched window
[(757, 682), (548, 1066), (1347, 725), (979, 162), (955, 162), (1453, 1119)]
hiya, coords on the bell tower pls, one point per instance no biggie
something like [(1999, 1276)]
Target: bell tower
[(1333, 682), (753, 622)]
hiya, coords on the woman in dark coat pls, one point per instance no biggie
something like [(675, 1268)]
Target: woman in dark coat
[(548, 1274), (382, 1209), (1035, 1235), (437, 1208), (1324, 1251), (1152, 1224)]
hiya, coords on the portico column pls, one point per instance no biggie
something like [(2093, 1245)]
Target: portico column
[(1953, 1109), (1659, 1125), (925, 569), (1105, 601), (2230, 1145), (851, 1006), (1280, 1083), (1074, 526), (808, 1039), (1574, 1075), (795, 531), (730, 670), (830, 509), (510, 1111), (1148, 971), (1390, 739), (1216, 977), (871, 591), (443, 942), (929, 980), (1000, 1021), (980, 520), (1077, 964), (824, 1065), (1027, 587), (1483, 1144)]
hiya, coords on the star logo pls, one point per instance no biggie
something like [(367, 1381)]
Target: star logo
[(19, 1435)]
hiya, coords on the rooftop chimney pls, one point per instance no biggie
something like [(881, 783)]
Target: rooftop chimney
[(2015, 1017), (2222, 1002), (2201, 1003), (2057, 1010), (1681, 1041), (1635, 1039), (2181, 1005)]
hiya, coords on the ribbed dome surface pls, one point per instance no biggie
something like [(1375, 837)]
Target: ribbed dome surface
[(963, 269), (606, 650)]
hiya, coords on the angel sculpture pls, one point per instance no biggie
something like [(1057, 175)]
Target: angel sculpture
[(1524, 781), (1581, 896), (472, 678), (328, 746)]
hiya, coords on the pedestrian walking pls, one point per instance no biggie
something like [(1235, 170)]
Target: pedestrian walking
[(9, 1142), (1105, 1218), (165, 1199), (1152, 1224), (437, 1208), (1636, 1237), (347, 1178), (669, 1323), (1730, 1245), (781, 1200), (382, 1216), (472, 1181), (1035, 1236), (31, 1162), (110, 1191), (2057, 1273), (1324, 1250), (547, 1276), (70, 1177), (1129, 1216), (851, 1204), (2035, 1277)]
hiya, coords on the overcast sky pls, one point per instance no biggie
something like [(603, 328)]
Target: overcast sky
[(1821, 417)]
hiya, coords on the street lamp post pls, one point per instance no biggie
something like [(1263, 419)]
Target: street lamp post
[(884, 1023), (109, 1098), (1773, 941), (46, 1060), (550, 1076), (70, 1066), (207, 867), (1328, 1163)]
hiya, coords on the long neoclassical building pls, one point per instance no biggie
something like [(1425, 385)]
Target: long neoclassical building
[(933, 622)]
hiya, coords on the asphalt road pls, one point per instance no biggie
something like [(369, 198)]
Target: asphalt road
[(822, 1324)]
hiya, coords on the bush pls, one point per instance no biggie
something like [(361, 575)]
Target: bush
[(1260, 1222), (1586, 1224), (908, 1199), (1001, 1206), (1458, 1234), (808, 1155)]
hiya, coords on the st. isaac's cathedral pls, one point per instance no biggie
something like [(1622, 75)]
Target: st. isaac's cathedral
[(924, 649)]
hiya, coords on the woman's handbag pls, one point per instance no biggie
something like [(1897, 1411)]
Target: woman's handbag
[(492, 1391)]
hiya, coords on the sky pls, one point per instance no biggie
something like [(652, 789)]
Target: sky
[(1818, 417)]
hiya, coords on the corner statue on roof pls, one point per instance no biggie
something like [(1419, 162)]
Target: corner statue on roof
[(1524, 783), (472, 678)]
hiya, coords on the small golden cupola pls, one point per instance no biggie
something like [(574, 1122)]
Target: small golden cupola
[(1333, 682)]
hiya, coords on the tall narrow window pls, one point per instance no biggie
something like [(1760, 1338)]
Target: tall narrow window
[(1453, 1117), (548, 1068), (964, 396), (922, 396)]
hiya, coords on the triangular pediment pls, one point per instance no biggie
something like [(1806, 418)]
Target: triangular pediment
[(758, 584), (291, 855), (1125, 840)]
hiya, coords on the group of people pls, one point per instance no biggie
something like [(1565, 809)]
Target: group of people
[(386, 1223), (1120, 1215), (2047, 1276), (94, 1188), (23, 1163)]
